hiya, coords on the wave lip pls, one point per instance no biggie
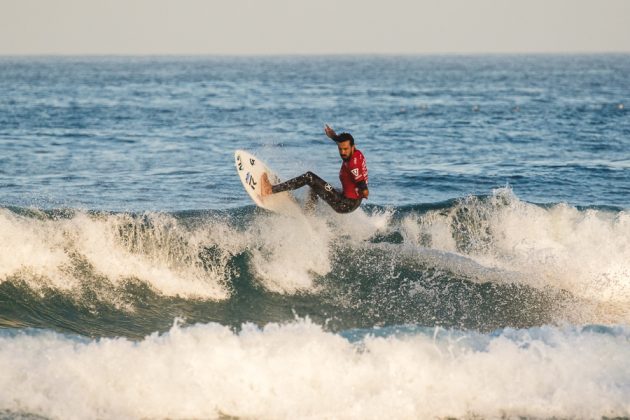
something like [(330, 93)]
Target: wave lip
[(299, 370)]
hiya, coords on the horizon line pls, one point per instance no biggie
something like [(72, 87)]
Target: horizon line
[(335, 54)]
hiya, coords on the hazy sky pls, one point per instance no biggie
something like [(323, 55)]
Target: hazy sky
[(312, 26)]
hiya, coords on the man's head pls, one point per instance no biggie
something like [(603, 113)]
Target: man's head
[(345, 145)]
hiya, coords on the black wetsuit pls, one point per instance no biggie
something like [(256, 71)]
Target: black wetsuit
[(335, 198)]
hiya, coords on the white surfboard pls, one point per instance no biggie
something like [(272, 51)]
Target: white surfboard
[(250, 169)]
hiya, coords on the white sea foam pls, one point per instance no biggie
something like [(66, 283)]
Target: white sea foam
[(291, 250), (46, 252), (300, 371), (584, 252), (29, 245), (287, 251)]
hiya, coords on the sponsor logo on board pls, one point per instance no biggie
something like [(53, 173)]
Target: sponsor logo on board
[(249, 179)]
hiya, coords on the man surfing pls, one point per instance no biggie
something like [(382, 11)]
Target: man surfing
[(353, 175)]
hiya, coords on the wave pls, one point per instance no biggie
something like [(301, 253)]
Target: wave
[(482, 262), (298, 369), (583, 251)]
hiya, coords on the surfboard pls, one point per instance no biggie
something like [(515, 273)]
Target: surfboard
[(250, 169)]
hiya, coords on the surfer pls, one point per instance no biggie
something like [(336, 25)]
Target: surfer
[(353, 175)]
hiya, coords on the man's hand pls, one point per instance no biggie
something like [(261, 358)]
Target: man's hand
[(330, 132), (364, 193)]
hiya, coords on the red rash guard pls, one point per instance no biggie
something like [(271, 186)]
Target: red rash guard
[(352, 173)]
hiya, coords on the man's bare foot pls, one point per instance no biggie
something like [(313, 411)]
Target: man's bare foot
[(265, 185)]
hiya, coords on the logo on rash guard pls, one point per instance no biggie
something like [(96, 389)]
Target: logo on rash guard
[(355, 171)]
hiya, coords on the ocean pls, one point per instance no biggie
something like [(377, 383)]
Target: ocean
[(487, 275)]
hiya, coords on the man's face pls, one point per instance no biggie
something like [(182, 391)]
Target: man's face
[(345, 150)]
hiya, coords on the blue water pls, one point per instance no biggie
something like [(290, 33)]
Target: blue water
[(496, 238), (157, 133)]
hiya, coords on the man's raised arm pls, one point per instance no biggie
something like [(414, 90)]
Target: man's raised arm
[(330, 132)]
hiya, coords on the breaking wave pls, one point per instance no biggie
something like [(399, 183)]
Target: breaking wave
[(481, 262)]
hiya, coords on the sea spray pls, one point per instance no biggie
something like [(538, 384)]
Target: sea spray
[(584, 252)]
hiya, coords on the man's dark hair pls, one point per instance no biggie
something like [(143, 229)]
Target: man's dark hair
[(345, 137)]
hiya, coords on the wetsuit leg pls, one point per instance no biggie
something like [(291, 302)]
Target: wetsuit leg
[(334, 198)]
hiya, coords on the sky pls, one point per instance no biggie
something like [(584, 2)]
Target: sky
[(270, 27)]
